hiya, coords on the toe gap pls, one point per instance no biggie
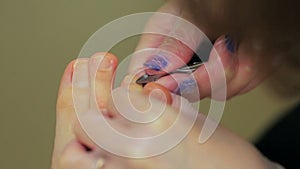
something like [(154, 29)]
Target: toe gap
[(86, 147)]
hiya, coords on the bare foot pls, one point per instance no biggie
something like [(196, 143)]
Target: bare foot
[(75, 150)]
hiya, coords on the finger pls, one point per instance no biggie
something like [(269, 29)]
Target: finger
[(220, 69), (268, 62), (252, 69), (101, 70), (172, 49), (252, 84), (264, 70), (182, 84), (247, 70)]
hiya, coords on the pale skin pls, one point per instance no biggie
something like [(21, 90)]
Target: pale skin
[(245, 68), (74, 150)]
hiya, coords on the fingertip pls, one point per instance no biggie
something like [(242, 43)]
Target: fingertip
[(220, 69), (169, 82), (185, 85), (226, 51)]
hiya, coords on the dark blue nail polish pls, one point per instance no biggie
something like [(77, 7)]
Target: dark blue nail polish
[(230, 45), (158, 62), (187, 86)]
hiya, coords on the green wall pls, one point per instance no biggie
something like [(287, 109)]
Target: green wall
[(37, 40)]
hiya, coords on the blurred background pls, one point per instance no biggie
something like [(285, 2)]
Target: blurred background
[(39, 38)]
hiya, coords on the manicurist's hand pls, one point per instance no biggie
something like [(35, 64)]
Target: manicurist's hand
[(243, 58)]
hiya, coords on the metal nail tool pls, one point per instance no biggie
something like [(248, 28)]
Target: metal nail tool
[(190, 67)]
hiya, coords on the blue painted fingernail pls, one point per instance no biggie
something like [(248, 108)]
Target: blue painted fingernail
[(230, 45), (158, 62), (187, 86)]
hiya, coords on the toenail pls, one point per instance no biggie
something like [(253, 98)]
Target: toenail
[(99, 164), (105, 63)]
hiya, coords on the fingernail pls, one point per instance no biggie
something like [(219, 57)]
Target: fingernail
[(230, 45), (187, 86), (158, 62)]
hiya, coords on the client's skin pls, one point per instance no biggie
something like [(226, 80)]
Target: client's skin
[(74, 150)]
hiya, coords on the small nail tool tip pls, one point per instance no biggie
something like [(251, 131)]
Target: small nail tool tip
[(194, 64), (143, 80)]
